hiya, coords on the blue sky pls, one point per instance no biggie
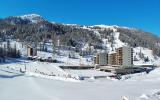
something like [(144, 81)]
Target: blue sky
[(142, 14)]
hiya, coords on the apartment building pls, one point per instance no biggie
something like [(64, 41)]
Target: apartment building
[(124, 56), (112, 58), (127, 56), (101, 59)]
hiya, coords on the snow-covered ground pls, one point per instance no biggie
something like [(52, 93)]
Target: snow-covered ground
[(90, 73), (51, 70), (17, 86), (147, 53), (47, 81)]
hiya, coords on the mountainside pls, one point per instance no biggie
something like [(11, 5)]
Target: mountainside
[(25, 19), (33, 28)]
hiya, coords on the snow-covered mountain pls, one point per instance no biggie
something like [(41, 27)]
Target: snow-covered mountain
[(40, 78), (140, 53), (34, 18), (99, 37), (24, 20)]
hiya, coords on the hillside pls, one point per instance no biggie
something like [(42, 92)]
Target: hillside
[(34, 28)]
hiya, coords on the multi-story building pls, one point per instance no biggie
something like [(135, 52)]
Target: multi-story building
[(101, 59), (127, 58), (119, 56), (112, 58), (122, 57)]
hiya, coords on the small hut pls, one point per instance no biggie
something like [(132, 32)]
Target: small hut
[(31, 50)]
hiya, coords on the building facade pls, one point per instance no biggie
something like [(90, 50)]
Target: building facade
[(127, 58), (122, 57), (31, 50), (112, 59), (101, 59)]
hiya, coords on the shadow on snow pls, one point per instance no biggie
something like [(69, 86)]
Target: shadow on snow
[(10, 76)]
